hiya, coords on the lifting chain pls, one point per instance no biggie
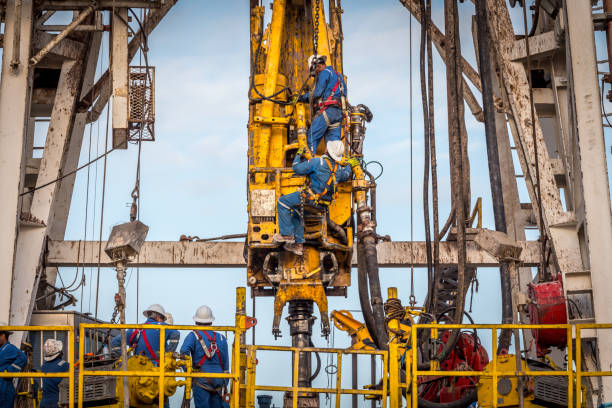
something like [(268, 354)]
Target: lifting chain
[(315, 38)]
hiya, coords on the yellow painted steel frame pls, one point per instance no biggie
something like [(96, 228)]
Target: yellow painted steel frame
[(69, 374), (280, 62), (251, 385), (233, 375), (574, 374)]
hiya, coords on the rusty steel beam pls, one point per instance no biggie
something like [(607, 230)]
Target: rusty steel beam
[(172, 254)]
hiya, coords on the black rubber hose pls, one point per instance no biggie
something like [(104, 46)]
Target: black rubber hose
[(371, 261), (467, 399), (364, 294), (486, 75), (318, 370)]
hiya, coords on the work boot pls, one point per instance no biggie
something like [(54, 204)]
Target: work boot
[(283, 239), (296, 248)]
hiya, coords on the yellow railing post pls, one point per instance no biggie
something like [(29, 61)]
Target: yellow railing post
[(71, 350), (338, 379), (414, 362), (81, 365), (296, 363), (570, 369), (578, 366), (385, 358), (250, 379), (394, 369), (240, 322), (494, 365), (162, 367)]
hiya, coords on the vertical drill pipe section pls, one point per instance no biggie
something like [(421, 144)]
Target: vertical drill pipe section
[(271, 76), (51, 44), (486, 75)]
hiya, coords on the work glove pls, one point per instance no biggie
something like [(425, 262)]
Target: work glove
[(353, 162), (300, 151)]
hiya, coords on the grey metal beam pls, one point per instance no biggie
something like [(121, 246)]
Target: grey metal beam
[(31, 239), (14, 112), (172, 254), (593, 170), (101, 4)]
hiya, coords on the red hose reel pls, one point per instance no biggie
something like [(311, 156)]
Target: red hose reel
[(547, 306)]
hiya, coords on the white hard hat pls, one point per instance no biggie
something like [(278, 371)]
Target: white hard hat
[(320, 59), (157, 309), (203, 315), (52, 348), (169, 318), (335, 148)]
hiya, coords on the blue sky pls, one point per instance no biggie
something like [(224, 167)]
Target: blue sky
[(193, 175)]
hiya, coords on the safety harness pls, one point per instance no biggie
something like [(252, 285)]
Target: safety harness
[(209, 353), (134, 341), (331, 101), (308, 194)]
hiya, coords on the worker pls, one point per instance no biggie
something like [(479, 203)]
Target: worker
[(323, 174), (12, 360), (52, 354), (327, 103), (173, 341), (209, 354), (146, 341)]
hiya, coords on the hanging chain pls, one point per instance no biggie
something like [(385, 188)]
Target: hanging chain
[(315, 38)]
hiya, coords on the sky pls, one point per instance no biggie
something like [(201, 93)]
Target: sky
[(193, 175)]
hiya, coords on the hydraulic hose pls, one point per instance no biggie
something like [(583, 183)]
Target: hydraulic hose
[(470, 397), (371, 260), (318, 369), (364, 294), (486, 75)]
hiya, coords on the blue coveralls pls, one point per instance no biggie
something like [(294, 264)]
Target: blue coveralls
[(192, 346), (152, 336), (50, 386), (317, 169), (319, 128), (12, 360)]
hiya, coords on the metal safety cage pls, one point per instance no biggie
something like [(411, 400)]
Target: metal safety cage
[(161, 374), (69, 374), (251, 363), (573, 372), (141, 103)]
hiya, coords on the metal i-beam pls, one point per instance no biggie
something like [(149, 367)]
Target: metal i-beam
[(57, 228), (560, 225), (31, 238), (14, 112), (169, 254), (594, 177), (119, 69)]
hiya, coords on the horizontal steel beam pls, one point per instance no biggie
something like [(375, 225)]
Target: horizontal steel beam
[(172, 254), (101, 4)]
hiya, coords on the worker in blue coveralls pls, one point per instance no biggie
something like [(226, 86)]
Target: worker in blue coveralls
[(327, 102), (12, 360), (146, 341), (208, 351), (52, 354), (323, 174)]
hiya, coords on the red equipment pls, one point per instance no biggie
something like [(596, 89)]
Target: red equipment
[(467, 355), (547, 306)]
